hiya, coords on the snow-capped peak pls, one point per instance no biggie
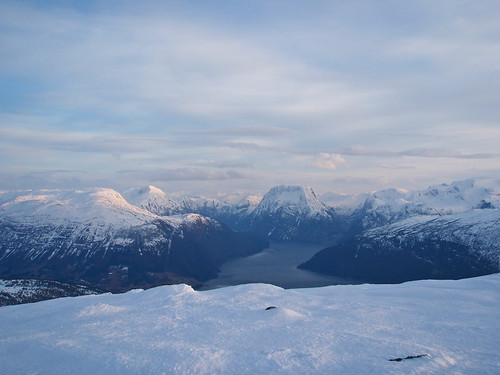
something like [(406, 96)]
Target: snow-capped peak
[(95, 205), (292, 200), (152, 199), (460, 196)]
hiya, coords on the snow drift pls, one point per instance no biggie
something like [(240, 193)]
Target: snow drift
[(330, 330)]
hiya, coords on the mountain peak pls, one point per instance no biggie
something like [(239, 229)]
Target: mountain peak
[(152, 199), (292, 200)]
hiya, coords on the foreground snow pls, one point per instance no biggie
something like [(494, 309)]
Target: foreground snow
[(337, 329)]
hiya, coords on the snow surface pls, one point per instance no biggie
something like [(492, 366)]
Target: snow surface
[(152, 199), (292, 200), (477, 229), (97, 215), (98, 206), (330, 330), (395, 204)]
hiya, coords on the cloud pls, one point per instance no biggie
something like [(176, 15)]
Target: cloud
[(183, 174), (157, 62), (79, 141), (252, 131), (424, 152), (252, 146), (226, 164), (328, 161), (160, 86), (446, 153)]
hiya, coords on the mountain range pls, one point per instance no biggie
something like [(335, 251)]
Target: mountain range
[(445, 231), (95, 236), (143, 237)]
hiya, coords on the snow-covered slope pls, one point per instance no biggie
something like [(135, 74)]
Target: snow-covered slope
[(152, 199), (478, 229), (452, 246), (285, 212), (390, 205), (287, 201), (205, 206), (331, 330), (87, 217), (294, 213), (248, 203), (95, 206), (95, 235), (343, 203)]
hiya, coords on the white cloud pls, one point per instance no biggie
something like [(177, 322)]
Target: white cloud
[(328, 161), (161, 86)]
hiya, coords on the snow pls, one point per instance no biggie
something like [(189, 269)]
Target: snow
[(292, 200), (152, 199), (478, 229), (336, 329), (95, 205), (343, 203), (96, 215), (30, 290), (250, 202)]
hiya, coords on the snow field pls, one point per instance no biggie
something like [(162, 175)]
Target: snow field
[(337, 329)]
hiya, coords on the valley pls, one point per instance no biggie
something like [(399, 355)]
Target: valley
[(275, 265)]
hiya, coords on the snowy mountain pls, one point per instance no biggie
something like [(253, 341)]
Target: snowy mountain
[(344, 204), (152, 199), (424, 327), (446, 231), (97, 236), (294, 212), (391, 205), (14, 292), (287, 201), (285, 212), (205, 206)]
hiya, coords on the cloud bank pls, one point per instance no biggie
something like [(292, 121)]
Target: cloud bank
[(402, 94)]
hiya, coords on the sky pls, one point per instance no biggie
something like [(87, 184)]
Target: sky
[(213, 97)]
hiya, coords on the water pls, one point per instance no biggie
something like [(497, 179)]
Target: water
[(276, 265)]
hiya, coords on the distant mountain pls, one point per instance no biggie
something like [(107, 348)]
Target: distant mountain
[(15, 292), (99, 237), (96, 236), (205, 206), (294, 213), (445, 231), (153, 200), (285, 212), (390, 205)]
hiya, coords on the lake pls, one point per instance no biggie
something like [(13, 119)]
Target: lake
[(276, 265)]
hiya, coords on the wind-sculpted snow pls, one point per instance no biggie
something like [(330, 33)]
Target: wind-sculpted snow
[(446, 327)]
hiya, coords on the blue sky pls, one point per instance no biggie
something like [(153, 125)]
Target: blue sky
[(214, 96)]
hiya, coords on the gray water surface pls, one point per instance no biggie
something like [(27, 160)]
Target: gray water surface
[(276, 265)]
